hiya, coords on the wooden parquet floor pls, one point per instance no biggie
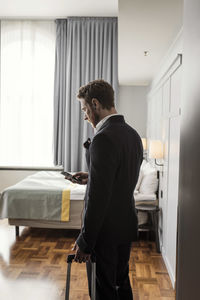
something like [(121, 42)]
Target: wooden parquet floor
[(33, 267)]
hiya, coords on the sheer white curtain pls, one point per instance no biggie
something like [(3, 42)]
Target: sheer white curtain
[(27, 87)]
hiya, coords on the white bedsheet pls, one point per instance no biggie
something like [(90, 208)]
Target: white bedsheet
[(50, 180)]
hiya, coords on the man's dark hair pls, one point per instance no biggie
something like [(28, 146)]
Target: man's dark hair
[(99, 89)]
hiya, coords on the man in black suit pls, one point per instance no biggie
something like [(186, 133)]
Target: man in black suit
[(110, 222)]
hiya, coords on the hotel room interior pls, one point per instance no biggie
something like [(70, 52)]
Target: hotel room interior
[(148, 50)]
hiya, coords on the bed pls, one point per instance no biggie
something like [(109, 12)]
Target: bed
[(47, 200)]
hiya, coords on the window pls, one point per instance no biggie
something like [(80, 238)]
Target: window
[(27, 86)]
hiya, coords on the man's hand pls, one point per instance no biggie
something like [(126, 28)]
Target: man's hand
[(79, 255), (82, 177)]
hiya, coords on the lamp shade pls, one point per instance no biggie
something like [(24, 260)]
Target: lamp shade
[(144, 143), (155, 149)]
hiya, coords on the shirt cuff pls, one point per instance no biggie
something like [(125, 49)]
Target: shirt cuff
[(83, 245)]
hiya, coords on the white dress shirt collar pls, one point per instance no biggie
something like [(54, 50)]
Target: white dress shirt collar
[(98, 126)]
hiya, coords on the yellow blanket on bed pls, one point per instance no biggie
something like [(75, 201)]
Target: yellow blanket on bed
[(65, 205)]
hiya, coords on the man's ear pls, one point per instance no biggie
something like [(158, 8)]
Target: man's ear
[(95, 103)]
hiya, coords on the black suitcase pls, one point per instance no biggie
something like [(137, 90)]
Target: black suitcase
[(93, 279)]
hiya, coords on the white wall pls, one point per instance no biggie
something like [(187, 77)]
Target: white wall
[(11, 177), (133, 105)]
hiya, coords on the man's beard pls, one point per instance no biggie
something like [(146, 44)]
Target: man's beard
[(96, 118)]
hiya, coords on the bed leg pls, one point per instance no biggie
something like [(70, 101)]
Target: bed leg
[(17, 231)]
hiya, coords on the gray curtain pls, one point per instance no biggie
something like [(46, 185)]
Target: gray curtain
[(86, 49)]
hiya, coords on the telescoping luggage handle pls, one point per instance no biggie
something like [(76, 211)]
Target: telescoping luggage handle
[(70, 258)]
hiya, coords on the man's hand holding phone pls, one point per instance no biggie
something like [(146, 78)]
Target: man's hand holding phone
[(79, 177), (82, 177)]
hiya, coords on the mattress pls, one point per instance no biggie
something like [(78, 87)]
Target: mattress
[(76, 209), (144, 197)]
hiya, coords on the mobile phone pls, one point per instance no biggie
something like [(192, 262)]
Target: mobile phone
[(70, 176)]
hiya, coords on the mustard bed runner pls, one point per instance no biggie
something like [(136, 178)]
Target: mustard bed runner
[(65, 205)]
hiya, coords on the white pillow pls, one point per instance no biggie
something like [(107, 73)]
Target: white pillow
[(144, 162), (140, 175), (149, 182), (139, 181)]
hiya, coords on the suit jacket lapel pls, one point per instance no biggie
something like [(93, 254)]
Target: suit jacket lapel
[(86, 145)]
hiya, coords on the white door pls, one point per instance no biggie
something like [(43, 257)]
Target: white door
[(172, 203), (173, 173)]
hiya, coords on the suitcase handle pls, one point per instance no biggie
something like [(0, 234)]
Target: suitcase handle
[(71, 257)]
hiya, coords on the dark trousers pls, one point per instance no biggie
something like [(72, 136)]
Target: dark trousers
[(112, 269)]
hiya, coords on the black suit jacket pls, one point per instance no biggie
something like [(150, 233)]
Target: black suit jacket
[(114, 158)]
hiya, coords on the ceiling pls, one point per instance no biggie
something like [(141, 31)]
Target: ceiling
[(144, 25), (57, 8)]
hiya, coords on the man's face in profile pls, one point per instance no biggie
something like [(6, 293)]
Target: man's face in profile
[(90, 113)]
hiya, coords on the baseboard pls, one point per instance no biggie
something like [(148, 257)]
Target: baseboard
[(169, 269)]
